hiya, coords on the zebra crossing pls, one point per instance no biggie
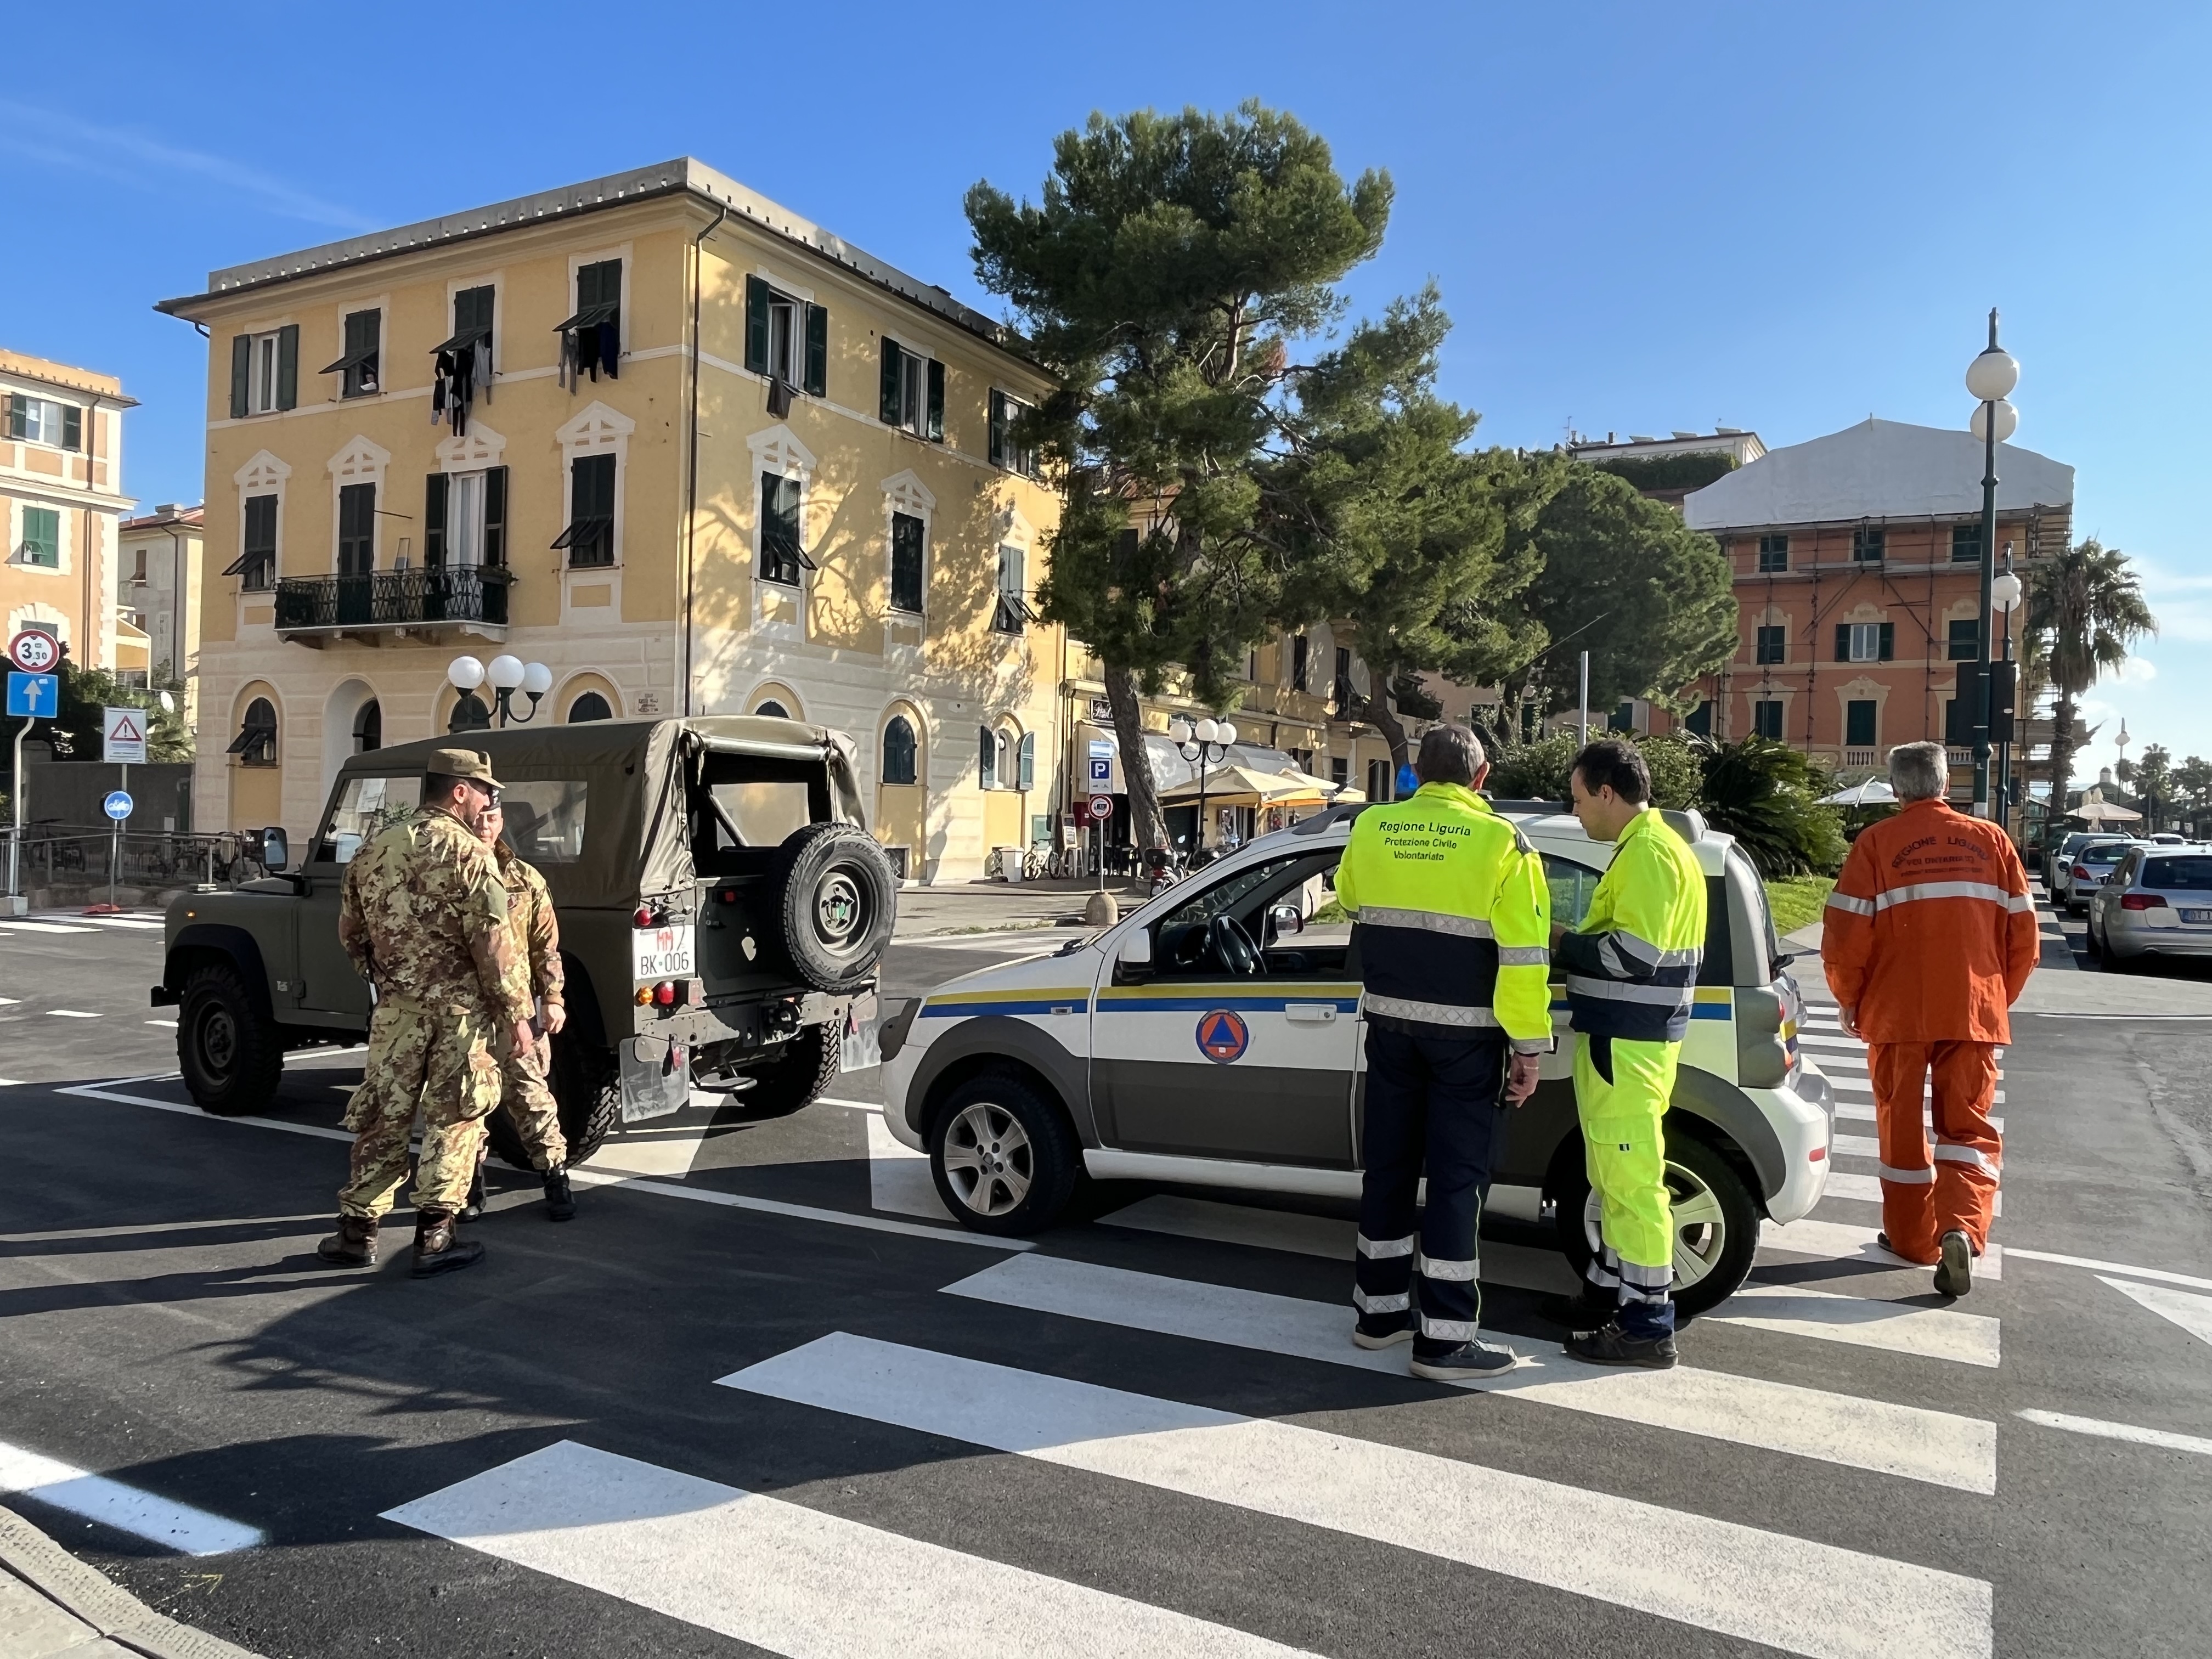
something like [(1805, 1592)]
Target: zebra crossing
[(1056, 1369)]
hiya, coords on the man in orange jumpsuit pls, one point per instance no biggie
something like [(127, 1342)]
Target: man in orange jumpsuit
[(1929, 938)]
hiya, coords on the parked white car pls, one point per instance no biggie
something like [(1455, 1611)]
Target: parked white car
[(1213, 1038), (2158, 903)]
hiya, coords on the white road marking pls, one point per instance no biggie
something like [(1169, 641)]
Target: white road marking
[(593, 1178), (1032, 938), (171, 1024), (1899, 1327), (1867, 1189), (2192, 1313), (2041, 1014), (10, 1082), (790, 1579), (1838, 1241), (1792, 1593), (856, 1105), (71, 1013), (899, 1181), (15, 925), (1862, 1111), (1861, 1086), (10, 1002), (2158, 1274), (2165, 1438), (158, 1520), (1866, 1434), (128, 922), (66, 1234)]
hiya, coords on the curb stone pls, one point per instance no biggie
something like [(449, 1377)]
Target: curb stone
[(88, 1595)]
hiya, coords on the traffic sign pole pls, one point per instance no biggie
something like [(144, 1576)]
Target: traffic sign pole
[(17, 904)]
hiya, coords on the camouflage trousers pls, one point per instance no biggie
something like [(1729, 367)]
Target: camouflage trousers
[(530, 1105), (442, 1061)]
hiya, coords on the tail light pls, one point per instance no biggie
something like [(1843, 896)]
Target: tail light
[(2142, 902), (1816, 1155), (643, 918), (664, 994)]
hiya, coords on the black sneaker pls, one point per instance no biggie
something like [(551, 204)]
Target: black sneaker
[(1954, 1273), (1609, 1345), (1376, 1333), (1470, 1362)]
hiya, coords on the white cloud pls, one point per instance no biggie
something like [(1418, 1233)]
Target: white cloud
[(123, 155), (2137, 671)]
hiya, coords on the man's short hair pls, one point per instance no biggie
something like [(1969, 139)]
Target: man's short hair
[(1919, 771), (1609, 763), (438, 786), (1449, 754)]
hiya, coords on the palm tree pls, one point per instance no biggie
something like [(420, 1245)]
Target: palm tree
[(2086, 610)]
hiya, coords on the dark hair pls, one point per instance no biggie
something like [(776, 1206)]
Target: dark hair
[(1449, 754), (438, 786), (1609, 761)]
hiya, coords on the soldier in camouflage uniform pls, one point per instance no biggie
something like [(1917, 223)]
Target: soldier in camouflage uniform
[(527, 1100), (422, 913)]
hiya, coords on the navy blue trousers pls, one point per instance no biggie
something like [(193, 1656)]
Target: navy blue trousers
[(1433, 1104)]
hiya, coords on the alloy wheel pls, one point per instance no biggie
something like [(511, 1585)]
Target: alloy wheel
[(988, 1159), (1701, 1225)]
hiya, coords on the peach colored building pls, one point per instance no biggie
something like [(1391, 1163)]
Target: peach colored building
[(61, 498)]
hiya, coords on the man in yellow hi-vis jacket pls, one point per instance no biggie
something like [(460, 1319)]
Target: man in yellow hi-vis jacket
[(1632, 977), (1452, 910)]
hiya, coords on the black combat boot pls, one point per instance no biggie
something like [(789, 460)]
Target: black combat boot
[(353, 1244), (473, 1206), (560, 1202), (436, 1249)]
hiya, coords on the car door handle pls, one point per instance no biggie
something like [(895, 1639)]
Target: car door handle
[(1309, 1014)]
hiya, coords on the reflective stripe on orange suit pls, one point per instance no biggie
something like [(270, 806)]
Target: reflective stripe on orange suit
[(1930, 935)]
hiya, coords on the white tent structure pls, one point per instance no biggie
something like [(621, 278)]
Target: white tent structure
[(1873, 792), (1877, 469)]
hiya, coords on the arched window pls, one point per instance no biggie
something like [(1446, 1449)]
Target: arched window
[(773, 710), (470, 715), (987, 741), (899, 751), (589, 706), (369, 727), (256, 742), (1026, 770)]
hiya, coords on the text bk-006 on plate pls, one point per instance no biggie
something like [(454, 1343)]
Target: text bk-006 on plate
[(663, 952)]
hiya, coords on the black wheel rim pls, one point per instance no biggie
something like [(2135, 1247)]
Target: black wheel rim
[(215, 1042), (841, 911)]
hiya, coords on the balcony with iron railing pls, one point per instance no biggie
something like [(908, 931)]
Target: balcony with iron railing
[(470, 599)]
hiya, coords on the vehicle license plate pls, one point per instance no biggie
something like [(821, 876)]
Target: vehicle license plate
[(2197, 916), (663, 952)]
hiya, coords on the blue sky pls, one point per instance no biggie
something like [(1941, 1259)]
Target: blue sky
[(1784, 218)]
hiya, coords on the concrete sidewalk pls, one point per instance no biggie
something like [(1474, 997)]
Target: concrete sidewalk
[(52, 1606), (981, 906)]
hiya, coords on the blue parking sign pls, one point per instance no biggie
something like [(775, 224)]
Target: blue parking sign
[(38, 696), (1101, 768)]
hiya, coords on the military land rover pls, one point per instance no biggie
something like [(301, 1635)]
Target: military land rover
[(722, 909)]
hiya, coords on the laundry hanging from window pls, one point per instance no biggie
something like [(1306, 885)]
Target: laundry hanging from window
[(462, 365), (591, 341)]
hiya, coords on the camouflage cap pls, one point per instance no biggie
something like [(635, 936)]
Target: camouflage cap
[(468, 763)]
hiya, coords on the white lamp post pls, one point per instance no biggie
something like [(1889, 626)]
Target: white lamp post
[(1206, 744), (1990, 378), (505, 675)]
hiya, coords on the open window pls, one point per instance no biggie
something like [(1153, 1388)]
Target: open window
[(589, 538), (461, 363), (1011, 611), (1008, 448), (786, 339), (256, 742), (590, 336), (465, 520), (782, 557), (746, 806), (364, 339), (34, 420), (1277, 919), (255, 567), (913, 392), (264, 372)]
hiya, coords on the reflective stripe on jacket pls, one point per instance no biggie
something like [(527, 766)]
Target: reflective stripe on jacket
[(1632, 965), (1454, 917), (1930, 934)]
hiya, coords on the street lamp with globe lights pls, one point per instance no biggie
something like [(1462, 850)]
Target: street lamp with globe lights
[(1990, 378), (1206, 743), (505, 675), (2005, 594)]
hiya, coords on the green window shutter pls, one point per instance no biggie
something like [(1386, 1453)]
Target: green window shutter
[(242, 373), (756, 325), (433, 522), (816, 382), (72, 427), (42, 536), (1025, 765), (495, 528), (1843, 641), (472, 309), (934, 427), (890, 401), (1888, 642), (998, 452), (288, 366), (19, 414)]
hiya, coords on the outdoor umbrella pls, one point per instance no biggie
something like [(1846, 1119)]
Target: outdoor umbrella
[(1873, 792), (2105, 811)]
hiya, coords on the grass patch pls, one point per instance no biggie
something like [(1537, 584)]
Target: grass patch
[(1797, 900)]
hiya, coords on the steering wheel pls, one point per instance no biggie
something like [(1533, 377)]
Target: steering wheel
[(1230, 948)]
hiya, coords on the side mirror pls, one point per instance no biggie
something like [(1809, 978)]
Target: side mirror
[(275, 850), (1136, 950), (1286, 920)]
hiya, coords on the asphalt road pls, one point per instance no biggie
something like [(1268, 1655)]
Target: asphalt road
[(733, 1408)]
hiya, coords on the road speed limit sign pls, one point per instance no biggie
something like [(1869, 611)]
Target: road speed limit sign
[(1102, 807), (34, 653)]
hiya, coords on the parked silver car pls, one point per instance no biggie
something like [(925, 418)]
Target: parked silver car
[(2158, 903), (2087, 871)]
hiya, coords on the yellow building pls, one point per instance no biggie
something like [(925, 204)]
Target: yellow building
[(687, 449), (61, 497)]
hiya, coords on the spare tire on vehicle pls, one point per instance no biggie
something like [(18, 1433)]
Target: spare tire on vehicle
[(835, 897)]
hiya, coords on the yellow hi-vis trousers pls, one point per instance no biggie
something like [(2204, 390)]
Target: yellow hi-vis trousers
[(1626, 1153)]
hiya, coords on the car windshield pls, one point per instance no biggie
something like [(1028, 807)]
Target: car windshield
[(2111, 853), (366, 807), (544, 819), (2188, 875)]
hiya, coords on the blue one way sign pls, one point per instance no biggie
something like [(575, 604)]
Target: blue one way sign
[(36, 696)]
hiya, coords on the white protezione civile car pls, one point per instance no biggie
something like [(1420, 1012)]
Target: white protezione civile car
[(1213, 1038)]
